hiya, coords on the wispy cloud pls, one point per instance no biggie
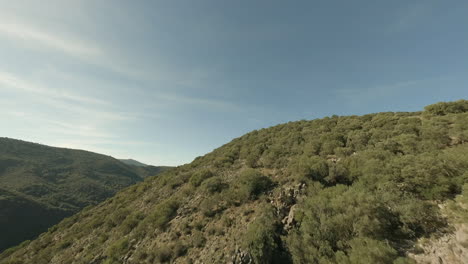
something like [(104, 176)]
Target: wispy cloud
[(31, 35), (11, 81), (65, 129), (64, 100), (77, 47), (81, 129), (69, 41), (98, 54)]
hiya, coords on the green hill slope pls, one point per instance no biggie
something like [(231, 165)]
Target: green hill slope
[(352, 189), (133, 162), (40, 185)]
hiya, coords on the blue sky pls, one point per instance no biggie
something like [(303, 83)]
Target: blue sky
[(166, 81)]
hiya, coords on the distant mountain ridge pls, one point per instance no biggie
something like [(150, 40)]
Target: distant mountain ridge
[(40, 185), (133, 162)]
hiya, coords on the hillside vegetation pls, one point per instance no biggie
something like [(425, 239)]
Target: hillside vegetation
[(133, 162), (41, 185), (351, 189)]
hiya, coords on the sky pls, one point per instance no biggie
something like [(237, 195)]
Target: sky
[(163, 82)]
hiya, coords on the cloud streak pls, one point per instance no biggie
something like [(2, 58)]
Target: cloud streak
[(62, 102), (30, 34), (11, 81), (92, 53)]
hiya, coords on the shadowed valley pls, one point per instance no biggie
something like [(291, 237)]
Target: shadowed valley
[(41, 185)]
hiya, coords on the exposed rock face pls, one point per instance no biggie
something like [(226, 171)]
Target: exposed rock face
[(449, 249), (241, 257), (285, 204), (288, 222)]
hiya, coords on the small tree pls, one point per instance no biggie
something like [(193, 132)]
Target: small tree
[(253, 183)]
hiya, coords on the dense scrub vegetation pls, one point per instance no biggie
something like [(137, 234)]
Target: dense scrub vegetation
[(40, 185), (353, 189)]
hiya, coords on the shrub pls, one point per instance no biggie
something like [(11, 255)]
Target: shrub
[(333, 217), (444, 108), (314, 168), (180, 249), (117, 250), (65, 244), (312, 147), (178, 180), (213, 185), (118, 217), (227, 221), (14, 261), (211, 206), (215, 229), (253, 183), (366, 250), (199, 176), (129, 223), (262, 239), (198, 239), (163, 254), (163, 213), (251, 160)]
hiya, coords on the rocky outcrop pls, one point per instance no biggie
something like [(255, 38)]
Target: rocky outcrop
[(285, 204), (448, 249), (289, 222), (241, 257)]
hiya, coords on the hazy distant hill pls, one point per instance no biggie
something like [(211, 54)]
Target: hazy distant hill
[(378, 188), (133, 162), (143, 169), (40, 185)]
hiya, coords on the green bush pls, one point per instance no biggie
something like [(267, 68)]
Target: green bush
[(251, 160), (199, 176), (129, 224), (211, 206), (163, 213), (333, 217), (118, 217), (314, 168), (214, 185), (367, 250), (262, 238), (444, 108), (117, 250), (252, 183)]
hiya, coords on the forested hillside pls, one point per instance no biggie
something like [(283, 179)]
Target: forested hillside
[(378, 188), (40, 185)]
